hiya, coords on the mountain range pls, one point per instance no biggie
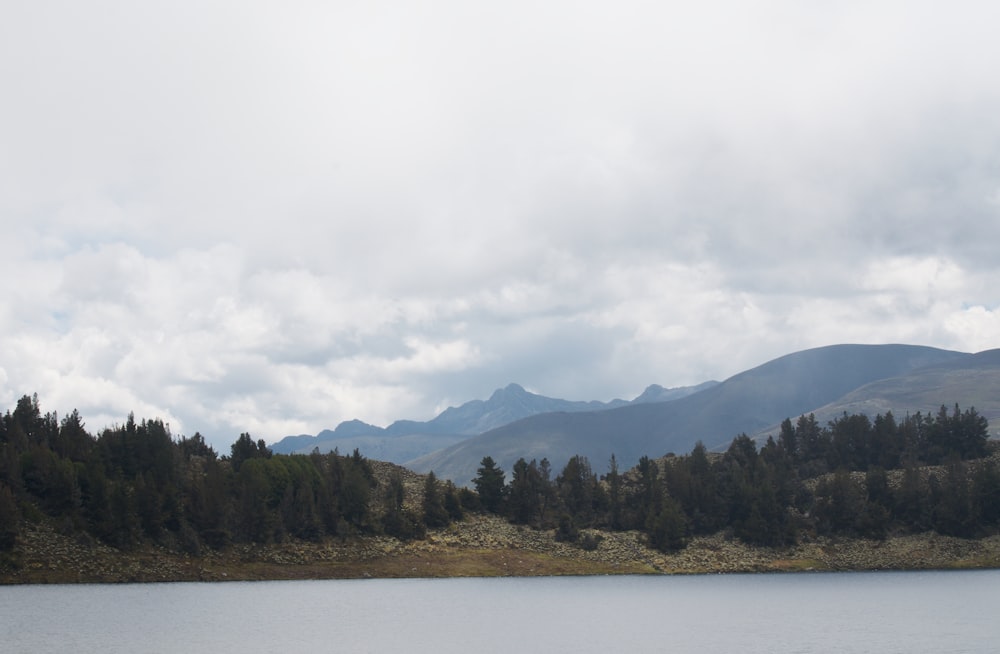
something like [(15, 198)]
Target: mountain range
[(826, 381), (404, 440)]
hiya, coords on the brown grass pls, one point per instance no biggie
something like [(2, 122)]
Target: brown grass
[(451, 563)]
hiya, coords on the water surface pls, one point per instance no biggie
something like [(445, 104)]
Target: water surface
[(842, 612)]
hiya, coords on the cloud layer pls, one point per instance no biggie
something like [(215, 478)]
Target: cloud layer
[(244, 218)]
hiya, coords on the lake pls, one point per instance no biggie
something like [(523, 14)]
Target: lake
[(805, 612)]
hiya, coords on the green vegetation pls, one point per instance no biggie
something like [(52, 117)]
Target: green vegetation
[(854, 477), (136, 485)]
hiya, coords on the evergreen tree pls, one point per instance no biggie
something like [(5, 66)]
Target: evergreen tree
[(576, 487), (910, 500), (850, 440), (245, 448), (788, 439), (704, 513), (397, 520), (838, 503), (952, 512), (209, 503), (667, 528), (616, 501), (489, 483), (256, 521), (886, 442), (72, 441), (986, 494), (27, 422), (452, 501), (147, 504), (435, 514), (96, 500), (354, 490), (10, 519), (877, 487), (643, 494), (125, 530), (523, 494), (566, 529), (875, 515)]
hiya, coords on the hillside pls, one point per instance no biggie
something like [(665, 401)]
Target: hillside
[(972, 380), (405, 440), (481, 546), (748, 402), (135, 504)]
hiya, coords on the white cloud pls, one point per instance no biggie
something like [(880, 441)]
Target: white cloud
[(273, 220), (927, 277), (975, 327)]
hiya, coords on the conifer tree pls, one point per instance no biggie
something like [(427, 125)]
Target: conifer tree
[(435, 515), (489, 483)]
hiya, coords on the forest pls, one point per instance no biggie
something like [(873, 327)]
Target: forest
[(137, 484)]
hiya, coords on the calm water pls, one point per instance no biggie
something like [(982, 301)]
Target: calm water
[(845, 612)]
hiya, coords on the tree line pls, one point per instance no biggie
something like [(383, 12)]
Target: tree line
[(137, 483), (852, 477)]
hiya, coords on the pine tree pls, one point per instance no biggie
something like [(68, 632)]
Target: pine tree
[(489, 483), (616, 500), (523, 499), (435, 515), (10, 519), (667, 528)]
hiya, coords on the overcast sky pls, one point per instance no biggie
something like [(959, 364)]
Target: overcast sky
[(272, 217)]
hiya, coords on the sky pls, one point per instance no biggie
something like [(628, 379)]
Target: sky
[(272, 217)]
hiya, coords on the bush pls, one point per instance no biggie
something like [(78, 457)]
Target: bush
[(566, 531)]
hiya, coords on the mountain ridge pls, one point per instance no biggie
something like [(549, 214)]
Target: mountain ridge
[(975, 378), (505, 405), (748, 402)]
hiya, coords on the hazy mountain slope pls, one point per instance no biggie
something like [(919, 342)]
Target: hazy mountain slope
[(969, 381), (382, 447), (404, 440), (344, 432), (747, 402), (506, 405), (656, 393)]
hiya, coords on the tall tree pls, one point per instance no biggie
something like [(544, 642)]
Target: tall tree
[(642, 494), (435, 515), (245, 448), (667, 527), (397, 520), (838, 503), (10, 519), (576, 485), (952, 514), (523, 497), (616, 500), (489, 483), (812, 444), (788, 439)]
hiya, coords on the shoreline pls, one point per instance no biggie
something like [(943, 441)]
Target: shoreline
[(480, 546)]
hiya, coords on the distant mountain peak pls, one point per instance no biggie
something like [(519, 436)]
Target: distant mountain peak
[(748, 402), (355, 427), (657, 393), (506, 405), (510, 390)]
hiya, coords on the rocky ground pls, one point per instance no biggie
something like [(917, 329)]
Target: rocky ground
[(478, 546)]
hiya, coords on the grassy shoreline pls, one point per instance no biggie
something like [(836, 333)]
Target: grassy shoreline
[(481, 546)]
